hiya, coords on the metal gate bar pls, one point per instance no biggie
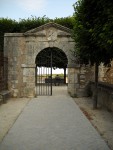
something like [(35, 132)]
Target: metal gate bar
[(44, 77), (44, 85)]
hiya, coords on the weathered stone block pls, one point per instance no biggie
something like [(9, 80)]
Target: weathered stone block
[(77, 85), (24, 79), (76, 78)]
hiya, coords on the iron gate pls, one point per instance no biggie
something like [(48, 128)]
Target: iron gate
[(44, 74), (46, 60)]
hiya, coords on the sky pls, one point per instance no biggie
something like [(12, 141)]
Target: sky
[(54, 71), (23, 9)]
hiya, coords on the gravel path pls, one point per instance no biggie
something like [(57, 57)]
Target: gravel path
[(52, 123)]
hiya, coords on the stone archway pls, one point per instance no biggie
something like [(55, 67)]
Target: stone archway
[(46, 61), (22, 49)]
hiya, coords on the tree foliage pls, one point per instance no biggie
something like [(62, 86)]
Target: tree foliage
[(67, 21), (6, 25), (93, 32)]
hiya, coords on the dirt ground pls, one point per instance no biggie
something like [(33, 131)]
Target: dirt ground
[(9, 112), (100, 118)]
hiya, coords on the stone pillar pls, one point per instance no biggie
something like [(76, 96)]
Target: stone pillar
[(73, 82), (28, 81)]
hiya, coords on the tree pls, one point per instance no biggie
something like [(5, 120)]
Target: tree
[(6, 25), (93, 35), (66, 21)]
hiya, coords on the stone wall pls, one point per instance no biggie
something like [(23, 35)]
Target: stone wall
[(79, 78), (105, 95), (14, 64), (105, 73)]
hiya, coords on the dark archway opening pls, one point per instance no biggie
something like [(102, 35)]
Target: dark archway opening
[(46, 61)]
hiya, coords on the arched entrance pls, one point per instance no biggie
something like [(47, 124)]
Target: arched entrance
[(46, 61), (25, 50)]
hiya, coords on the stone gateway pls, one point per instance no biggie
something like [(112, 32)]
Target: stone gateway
[(22, 50)]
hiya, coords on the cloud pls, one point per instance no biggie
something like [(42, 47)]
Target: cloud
[(32, 5)]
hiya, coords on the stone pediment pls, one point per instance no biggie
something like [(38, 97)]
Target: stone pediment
[(50, 29)]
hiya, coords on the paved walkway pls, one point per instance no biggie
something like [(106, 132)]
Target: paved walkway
[(52, 123)]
